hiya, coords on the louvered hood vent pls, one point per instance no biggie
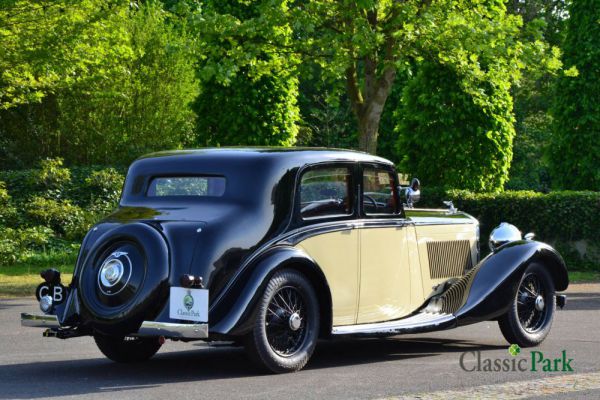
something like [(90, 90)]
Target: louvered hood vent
[(449, 258)]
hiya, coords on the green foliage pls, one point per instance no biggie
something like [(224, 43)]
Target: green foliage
[(62, 217), (46, 209), (104, 186), (249, 90), (533, 96), (575, 144), (18, 243), (447, 136), (559, 218), (529, 169), (370, 43), (121, 79), (7, 210), (248, 112)]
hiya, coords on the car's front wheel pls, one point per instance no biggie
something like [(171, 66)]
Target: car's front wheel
[(286, 328), (528, 320), (127, 349)]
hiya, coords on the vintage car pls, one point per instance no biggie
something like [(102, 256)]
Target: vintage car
[(276, 248)]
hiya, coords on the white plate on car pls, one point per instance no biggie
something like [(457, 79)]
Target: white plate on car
[(189, 304)]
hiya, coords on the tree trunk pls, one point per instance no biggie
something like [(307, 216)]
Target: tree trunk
[(368, 110)]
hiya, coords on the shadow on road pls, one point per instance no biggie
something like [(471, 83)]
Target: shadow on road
[(79, 377), (582, 301)]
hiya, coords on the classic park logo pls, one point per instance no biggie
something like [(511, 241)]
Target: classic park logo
[(188, 301), (537, 361)]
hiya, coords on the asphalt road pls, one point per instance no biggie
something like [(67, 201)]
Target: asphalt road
[(421, 366)]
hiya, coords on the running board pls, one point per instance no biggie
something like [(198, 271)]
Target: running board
[(421, 322)]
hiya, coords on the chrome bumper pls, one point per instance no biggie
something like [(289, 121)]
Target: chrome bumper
[(148, 328), (39, 321), (171, 330)]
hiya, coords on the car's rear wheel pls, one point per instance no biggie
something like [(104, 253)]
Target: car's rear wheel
[(127, 349), (286, 328), (528, 320)]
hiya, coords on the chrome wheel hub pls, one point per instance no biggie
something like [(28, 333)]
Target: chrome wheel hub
[(111, 272), (539, 303), (295, 321)]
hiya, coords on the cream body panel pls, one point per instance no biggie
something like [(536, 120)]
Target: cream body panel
[(416, 279), (337, 253), (439, 233), (385, 276)]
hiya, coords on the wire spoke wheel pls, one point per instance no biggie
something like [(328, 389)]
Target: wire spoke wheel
[(531, 307), (528, 320), (285, 323)]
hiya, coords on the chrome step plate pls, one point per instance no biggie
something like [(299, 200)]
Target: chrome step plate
[(421, 322)]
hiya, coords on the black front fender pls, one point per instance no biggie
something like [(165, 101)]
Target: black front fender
[(496, 279), (233, 312)]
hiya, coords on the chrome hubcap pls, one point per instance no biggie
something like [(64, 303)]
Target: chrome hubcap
[(539, 303), (295, 321), (111, 272)]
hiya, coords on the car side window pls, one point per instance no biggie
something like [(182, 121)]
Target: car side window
[(378, 195), (326, 192)]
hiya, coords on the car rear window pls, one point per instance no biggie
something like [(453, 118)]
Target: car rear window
[(165, 186)]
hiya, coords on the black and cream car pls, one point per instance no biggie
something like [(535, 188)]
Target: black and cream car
[(277, 248)]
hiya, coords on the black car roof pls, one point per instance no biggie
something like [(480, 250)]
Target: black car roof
[(292, 155)]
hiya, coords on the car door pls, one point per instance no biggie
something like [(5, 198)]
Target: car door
[(326, 212), (385, 273)]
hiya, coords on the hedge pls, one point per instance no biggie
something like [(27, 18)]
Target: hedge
[(566, 219), (52, 206)]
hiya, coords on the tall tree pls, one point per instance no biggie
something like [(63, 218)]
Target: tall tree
[(448, 137), (575, 150), (542, 19), (368, 42)]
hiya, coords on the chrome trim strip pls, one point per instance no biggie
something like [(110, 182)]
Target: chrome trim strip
[(39, 320), (171, 330), (423, 320)]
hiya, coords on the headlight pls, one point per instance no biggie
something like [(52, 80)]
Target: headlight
[(46, 304), (503, 234)]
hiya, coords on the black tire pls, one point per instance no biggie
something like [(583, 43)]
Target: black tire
[(127, 349), (273, 343), (524, 323)]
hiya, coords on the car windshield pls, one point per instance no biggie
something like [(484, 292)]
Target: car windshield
[(187, 186)]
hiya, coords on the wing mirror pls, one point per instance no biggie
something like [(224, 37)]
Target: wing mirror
[(412, 193)]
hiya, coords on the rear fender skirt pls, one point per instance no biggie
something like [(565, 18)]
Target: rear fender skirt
[(233, 314), (497, 278)]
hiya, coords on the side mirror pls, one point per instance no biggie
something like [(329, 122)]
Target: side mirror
[(413, 193)]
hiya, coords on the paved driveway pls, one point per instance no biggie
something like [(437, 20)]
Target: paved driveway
[(426, 366)]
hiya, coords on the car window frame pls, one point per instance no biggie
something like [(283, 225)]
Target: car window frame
[(352, 167), (398, 212)]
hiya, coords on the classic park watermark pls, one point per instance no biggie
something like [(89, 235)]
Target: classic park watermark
[(537, 361)]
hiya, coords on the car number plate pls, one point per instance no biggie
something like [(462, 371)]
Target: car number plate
[(189, 304)]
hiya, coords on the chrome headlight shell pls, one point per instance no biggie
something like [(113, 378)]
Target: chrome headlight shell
[(503, 234)]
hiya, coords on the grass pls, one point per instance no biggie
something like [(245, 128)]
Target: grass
[(583, 276), (22, 278)]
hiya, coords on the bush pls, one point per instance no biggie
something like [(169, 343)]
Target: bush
[(16, 244), (104, 187), (7, 210), (62, 217), (568, 220)]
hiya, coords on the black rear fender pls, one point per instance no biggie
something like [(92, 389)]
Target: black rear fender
[(493, 285), (232, 314)]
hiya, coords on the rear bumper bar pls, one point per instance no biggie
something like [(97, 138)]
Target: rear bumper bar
[(148, 328), (39, 321), (171, 330)]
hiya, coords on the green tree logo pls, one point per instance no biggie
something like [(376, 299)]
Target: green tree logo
[(514, 350)]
